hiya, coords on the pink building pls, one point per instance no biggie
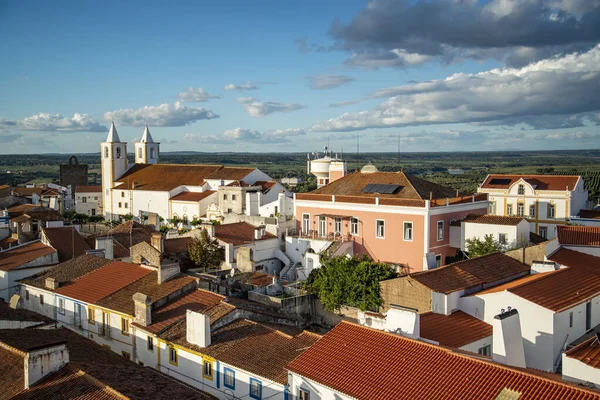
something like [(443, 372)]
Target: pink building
[(391, 216)]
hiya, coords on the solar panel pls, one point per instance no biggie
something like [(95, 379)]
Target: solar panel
[(381, 188), (500, 181)]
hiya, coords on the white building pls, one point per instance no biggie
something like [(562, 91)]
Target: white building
[(547, 201), (581, 363), (509, 231), (88, 200)]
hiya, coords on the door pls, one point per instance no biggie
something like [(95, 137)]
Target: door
[(322, 226), (305, 223), (77, 315), (588, 315)]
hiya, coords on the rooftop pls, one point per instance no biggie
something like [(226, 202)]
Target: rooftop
[(89, 189), (587, 352), (239, 233), (455, 330), (539, 182), (67, 242), (23, 191), (193, 196), (589, 214), (103, 281), (512, 284), (579, 235), (176, 245), (20, 314), (493, 219), (20, 255), (127, 235), (338, 361), (257, 348), (36, 212)]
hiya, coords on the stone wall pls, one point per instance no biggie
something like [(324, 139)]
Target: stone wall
[(406, 292), (73, 174), (528, 255)]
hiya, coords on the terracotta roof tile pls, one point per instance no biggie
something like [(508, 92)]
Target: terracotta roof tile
[(35, 212), (512, 284), (589, 214), (257, 348), (21, 191), (468, 273), (67, 271), (239, 233), (12, 372), (177, 245), (67, 241), (541, 182), (17, 256), (20, 314), (587, 352), (402, 368), (8, 242), (15, 211), (127, 235), (106, 280), (89, 189), (455, 330), (579, 235), (193, 196), (260, 279), (265, 185), (493, 219)]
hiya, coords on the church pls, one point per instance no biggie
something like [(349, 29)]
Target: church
[(182, 191)]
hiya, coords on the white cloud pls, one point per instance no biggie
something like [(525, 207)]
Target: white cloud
[(198, 95), (328, 81), (177, 114), (568, 136), (242, 87), (244, 134), (552, 90), (55, 122), (285, 132), (257, 108), (345, 103)]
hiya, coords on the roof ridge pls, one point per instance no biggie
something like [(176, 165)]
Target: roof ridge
[(585, 342), (409, 180)]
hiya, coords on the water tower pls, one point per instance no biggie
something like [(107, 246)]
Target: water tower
[(327, 168)]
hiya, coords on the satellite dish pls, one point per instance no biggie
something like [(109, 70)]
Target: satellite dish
[(229, 395)]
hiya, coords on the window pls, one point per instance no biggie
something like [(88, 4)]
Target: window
[(438, 260), (255, 389), (305, 223), (224, 196), (509, 209), (27, 295), (380, 228), (91, 316), (207, 371), (544, 231), (118, 152), (551, 210), (520, 209), (233, 197), (571, 319), (152, 155), (93, 211), (440, 230), (126, 355), (408, 231), (521, 189), (532, 211), (492, 207), (485, 350), (122, 194), (77, 316), (502, 238), (303, 394), (95, 197), (185, 219), (322, 226), (150, 343), (61, 306), (588, 315), (140, 153), (354, 226), (84, 199), (126, 205), (41, 299), (125, 326), (106, 152), (337, 226), (229, 378), (120, 205), (172, 355)]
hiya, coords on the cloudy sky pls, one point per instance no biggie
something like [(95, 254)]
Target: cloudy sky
[(290, 76)]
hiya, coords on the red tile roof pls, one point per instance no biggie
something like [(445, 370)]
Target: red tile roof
[(127, 235), (455, 330), (106, 280), (587, 352), (493, 219), (20, 314), (540, 182), (573, 258), (67, 241), (88, 189), (176, 245), (239, 233), (193, 196), (579, 235), (589, 214), (402, 368), (17, 256), (21, 191), (265, 185), (512, 284)]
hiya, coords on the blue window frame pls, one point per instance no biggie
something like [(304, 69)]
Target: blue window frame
[(229, 378), (255, 389)]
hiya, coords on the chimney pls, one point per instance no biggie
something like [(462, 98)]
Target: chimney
[(167, 270), (44, 360), (538, 267), (197, 328), (507, 341), (106, 243), (157, 241), (403, 320), (51, 284), (210, 228), (259, 232), (142, 309)]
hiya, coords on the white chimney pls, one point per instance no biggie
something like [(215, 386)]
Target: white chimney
[(167, 270), (507, 341), (257, 233), (539, 267), (197, 328), (404, 321), (142, 309), (157, 241), (106, 243), (43, 361), (51, 283)]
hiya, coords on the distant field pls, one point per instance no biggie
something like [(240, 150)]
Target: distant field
[(433, 166)]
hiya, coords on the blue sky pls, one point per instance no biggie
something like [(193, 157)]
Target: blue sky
[(441, 76)]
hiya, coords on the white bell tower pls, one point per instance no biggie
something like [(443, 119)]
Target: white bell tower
[(146, 150), (113, 155)]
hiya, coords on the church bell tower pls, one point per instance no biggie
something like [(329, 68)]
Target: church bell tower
[(146, 150), (113, 154)]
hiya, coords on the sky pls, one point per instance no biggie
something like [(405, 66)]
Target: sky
[(286, 76)]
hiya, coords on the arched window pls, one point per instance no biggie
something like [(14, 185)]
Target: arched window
[(521, 189), (106, 152), (152, 152), (118, 152), (185, 219), (140, 153)]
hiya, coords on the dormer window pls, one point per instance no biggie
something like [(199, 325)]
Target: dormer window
[(521, 189)]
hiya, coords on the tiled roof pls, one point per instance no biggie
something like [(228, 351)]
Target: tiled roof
[(193, 196), (20, 314), (512, 284), (540, 182), (44, 214), (260, 279), (20, 191), (67, 271), (89, 189), (4, 187), (402, 368), (122, 300), (411, 187), (587, 352), (8, 242), (455, 330), (253, 347), (106, 280), (468, 273), (579, 235), (67, 241), (573, 258), (493, 219), (238, 233), (119, 377), (177, 245), (127, 235), (152, 177), (20, 209), (17, 256), (265, 185), (589, 214), (199, 300)]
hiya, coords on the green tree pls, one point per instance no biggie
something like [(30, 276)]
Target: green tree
[(205, 251), (480, 247), (349, 281), (126, 217), (94, 219)]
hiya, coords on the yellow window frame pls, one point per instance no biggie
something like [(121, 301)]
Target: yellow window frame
[(173, 349), (204, 364)]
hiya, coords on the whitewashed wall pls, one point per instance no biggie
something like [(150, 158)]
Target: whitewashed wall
[(316, 390)]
